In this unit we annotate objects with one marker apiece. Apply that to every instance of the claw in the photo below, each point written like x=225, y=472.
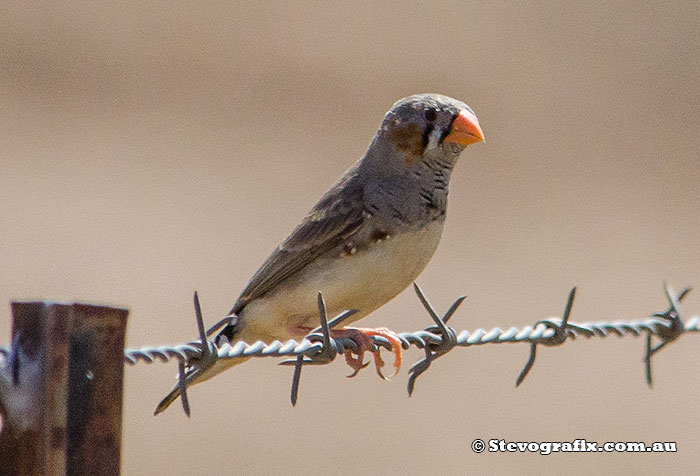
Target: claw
x=354, y=363
x=361, y=336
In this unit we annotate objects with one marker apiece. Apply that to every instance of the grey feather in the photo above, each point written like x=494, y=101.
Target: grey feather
x=337, y=216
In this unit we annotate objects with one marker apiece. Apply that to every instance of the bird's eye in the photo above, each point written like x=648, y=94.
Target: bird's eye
x=430, y=115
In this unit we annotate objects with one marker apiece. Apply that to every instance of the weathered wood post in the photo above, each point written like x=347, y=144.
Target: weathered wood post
x=61, y=390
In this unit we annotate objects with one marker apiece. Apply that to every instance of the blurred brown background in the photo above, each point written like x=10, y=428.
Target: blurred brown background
x=150, y=150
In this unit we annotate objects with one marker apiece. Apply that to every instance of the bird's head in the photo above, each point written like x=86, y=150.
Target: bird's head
x=427, y=125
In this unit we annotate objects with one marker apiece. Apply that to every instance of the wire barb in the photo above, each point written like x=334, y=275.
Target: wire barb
x=448, y=337
x=557, y=338
x=319, y=347
x=207, y=357
x=182, y=385
x=327, y=354
x=668, y=333
x=329, y=349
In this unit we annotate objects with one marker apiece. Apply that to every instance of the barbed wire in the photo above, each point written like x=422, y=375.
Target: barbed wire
x=320, y=348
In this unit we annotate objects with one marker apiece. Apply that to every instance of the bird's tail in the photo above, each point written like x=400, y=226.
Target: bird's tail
x=169, y=399
x=193, y=377
x=196, y=375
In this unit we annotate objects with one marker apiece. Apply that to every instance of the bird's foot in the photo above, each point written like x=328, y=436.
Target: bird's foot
x=362, y=337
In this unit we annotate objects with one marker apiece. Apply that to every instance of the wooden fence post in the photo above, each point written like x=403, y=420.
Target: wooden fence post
x=61, y=390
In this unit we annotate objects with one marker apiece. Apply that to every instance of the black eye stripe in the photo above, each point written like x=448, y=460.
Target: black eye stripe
x=426, y=134
x=430, y=115
x=447, y=130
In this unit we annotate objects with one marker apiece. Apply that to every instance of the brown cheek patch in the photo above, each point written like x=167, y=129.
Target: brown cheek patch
x=408, y=140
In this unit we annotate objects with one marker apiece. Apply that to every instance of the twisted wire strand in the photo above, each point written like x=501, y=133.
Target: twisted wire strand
x=312, y=345
x=437, y=340
x=465, y=338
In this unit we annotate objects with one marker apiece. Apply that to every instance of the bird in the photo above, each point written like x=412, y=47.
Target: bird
x=366, y=240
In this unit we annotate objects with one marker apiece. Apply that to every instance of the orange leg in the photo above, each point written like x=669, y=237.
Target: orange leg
x=362, y=336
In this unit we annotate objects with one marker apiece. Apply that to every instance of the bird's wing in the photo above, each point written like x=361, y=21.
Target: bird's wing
x=338, y=215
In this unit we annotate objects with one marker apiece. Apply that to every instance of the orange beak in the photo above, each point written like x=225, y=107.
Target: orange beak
x=465, y=129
